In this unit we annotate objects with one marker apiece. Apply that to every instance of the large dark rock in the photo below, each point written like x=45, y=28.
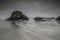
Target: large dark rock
x=58, y=19
x=17, y=15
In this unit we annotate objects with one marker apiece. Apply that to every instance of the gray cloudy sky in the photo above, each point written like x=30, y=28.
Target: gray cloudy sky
x=30, y=7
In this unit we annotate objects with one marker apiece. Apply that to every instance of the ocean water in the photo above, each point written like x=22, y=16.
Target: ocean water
x=29, y=30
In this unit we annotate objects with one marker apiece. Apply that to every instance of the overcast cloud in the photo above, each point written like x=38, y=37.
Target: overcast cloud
x=30, y=7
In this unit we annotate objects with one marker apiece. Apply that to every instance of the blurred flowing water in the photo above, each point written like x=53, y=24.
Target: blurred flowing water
x=29, y=30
